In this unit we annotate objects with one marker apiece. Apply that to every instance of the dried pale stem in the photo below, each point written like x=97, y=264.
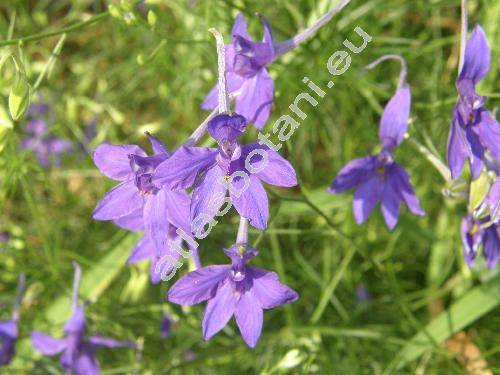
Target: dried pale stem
x=402, y=74
x=242, y=237
x=76, y=284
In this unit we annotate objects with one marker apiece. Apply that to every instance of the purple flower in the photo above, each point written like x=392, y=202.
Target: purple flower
x=137, y=203
x=247, y=76
x=8, y=337
x=239, y=170
x=237, y=289
x=165, y=326
x=9, y=328
x=77, y=352
x=378, y=178
x=480, y=232
x=493, y=200
x=46, y=148
x=473, y=130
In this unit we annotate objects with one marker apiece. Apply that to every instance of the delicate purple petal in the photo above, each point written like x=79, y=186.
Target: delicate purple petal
x=165, y=261
x=86, y=363
x=366, y=196
x=133, y=222
x=197, y=286
x=493, y=200
x=36, y=127
x=268, y=32
x=181, y=169
x=400, y=182
x=76, y=323
x=109, y=343
x=277, y=171
x=113, y=161
x=47, y=345
x=477, y=57
x=144, y=249
x=120, y=201
x=8, y=328
x=268, y=290
x=394, y=121
x=476, y=156
x=157, y=145
x=354, y=173
x=252, y=203
x=178, y=209
x=219, y=310
x=471, y=239
x=155, y=218
x=165, y=326
x=249, y=317
x=208, y=196
x=390, y=206
x=457, y=147
x=255, y=98
x=226, y=127
x=489, y=133
x=491, y=246
x=7, y=350
x=240, y=27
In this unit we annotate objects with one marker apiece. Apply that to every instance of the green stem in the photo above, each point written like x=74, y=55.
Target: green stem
x=435, y=161
x=68, y=29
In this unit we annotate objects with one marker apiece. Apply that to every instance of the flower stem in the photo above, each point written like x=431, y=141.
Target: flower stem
x=68, y=29
x=288, y=45
x=463, y=34
x=221, y=62
x=200, y=130
x=402, y=74
x=242, y=236
x=19, y=297
x=440, y=166
x=76, y=284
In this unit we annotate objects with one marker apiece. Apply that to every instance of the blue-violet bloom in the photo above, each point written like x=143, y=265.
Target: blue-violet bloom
x=480, y=232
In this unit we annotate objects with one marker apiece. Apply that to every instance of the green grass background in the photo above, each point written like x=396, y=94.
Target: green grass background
x=312, y=240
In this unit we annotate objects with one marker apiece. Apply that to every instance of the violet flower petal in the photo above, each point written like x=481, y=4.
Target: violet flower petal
x=234, y=83
x=157, y=145
x=366, y=196
x=491, y=246
x=155, y=218
x=47, y=345
x=249, y=317
x=476, y=156
x=252, y=204
x=132, y=222
x=394, y=121
x=400, y=182
x=181, y=169
x=106, y=342
x=219, y=310
x=477, y=57
x=208, y=196
x=488, y=130
x=457, y=147
x=120, y=201
x=268, y=290
x=113, y=161
x=390, y=206
x=197, y=286
x=255, y=98
x=352, y=174
x=144, y=249
x=86, y=363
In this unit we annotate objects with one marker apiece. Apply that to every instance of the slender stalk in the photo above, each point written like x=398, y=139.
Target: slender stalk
x=19, y=297
x=75, y=27
x=463, y=35
x=435, y=161
x=76, y=284
x=242, y=236
x=221, y=62
x=288, y=45
x=50, y=62
x=402, y=74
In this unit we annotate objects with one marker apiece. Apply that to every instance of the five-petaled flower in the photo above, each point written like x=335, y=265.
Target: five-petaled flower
x=231, y=168
x=378, y=178
x=237, y=289
x=473, y=130
x=247, y=76
x=138, y=203
x=77, y=352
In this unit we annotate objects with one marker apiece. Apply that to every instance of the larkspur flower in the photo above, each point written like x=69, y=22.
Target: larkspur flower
x=226, y=168
x=473, y=130
x=9, y=328
x=246, y=62
x=46, y=148
x=378, y=178
x=492, y=200
x=137, y=202
x=77, y=352
x=480, y=232
x=248, y=79
x=237, y=289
